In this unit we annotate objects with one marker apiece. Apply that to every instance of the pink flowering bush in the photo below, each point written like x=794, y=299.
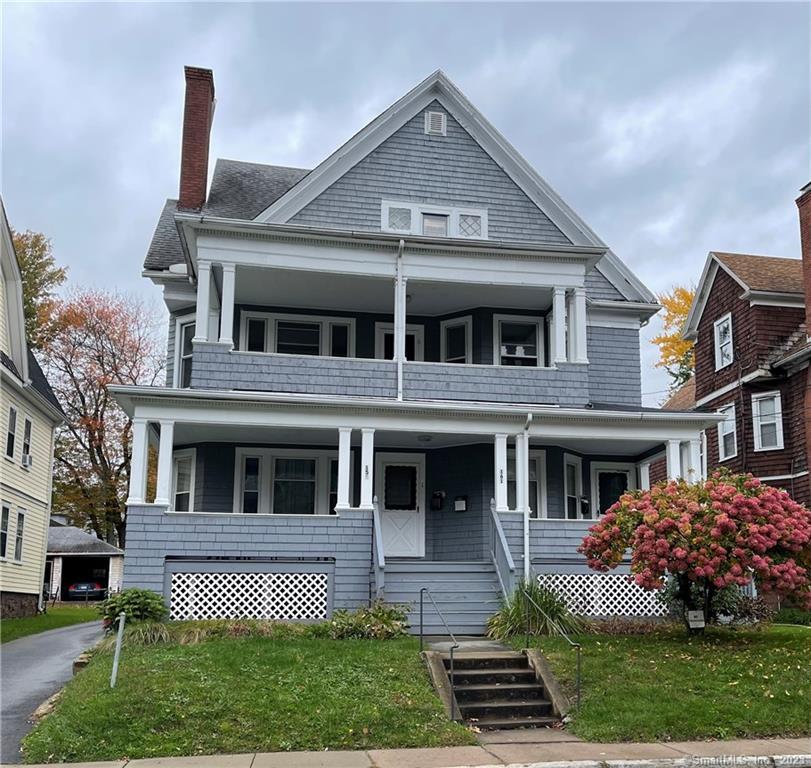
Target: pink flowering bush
x=723, y=531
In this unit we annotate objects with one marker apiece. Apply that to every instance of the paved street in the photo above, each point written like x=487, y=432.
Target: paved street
x=31, y=669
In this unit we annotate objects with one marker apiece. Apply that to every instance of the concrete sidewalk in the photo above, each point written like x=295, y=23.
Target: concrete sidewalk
x=557, y=750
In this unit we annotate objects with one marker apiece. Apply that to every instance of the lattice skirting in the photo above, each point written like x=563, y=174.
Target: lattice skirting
x=603, y=594
x=279, y=596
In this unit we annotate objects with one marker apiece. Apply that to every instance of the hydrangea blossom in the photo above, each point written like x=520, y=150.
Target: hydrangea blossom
x=725, y=530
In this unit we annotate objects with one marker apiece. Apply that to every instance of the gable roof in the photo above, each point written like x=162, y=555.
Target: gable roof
x=69, y=540
x=16, y=360
x=755, y=274
x=684, y=398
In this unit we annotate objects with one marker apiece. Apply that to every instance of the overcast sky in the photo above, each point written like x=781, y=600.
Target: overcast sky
x=672, y=129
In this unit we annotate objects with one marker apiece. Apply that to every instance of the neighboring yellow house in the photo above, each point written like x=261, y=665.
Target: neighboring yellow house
x=29, y=412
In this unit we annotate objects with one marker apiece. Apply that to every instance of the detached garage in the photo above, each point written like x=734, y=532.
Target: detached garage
x=75, y=556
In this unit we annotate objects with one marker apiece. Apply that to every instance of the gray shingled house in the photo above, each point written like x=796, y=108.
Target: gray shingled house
x=413, y=365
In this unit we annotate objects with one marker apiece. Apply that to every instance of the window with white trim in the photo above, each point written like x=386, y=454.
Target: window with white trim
x=5, y=519
x=572, y=486
x=767, y=421
x=184, y=333
x=402, y=217
x=727, y=433
x=183, y=472
x=297, y=334
x=518, y=340
x=724, y=353
x=27, y=426
x=11, y=433
x=537, y=482
x=18, y=535
x=456, y=340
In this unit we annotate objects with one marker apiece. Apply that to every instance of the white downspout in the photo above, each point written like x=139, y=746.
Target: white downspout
x=399, y=330
x=525, y=438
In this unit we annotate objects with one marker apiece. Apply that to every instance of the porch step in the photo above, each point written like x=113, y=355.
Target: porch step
x=499, y=690
x=466, y=592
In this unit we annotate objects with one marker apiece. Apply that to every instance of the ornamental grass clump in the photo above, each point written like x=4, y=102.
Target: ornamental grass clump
x=724, y=531
x=540, y=615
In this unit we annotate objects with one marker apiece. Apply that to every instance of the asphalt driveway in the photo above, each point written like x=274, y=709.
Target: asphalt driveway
x=31, y=669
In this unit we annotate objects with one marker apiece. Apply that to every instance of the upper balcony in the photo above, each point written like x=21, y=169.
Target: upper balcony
x=390, y=321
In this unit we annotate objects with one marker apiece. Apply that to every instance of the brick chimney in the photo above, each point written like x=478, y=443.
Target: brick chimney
x=804, y=204
x=198, y=115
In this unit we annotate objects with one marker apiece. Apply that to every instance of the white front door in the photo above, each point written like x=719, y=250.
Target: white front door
x=400, y=488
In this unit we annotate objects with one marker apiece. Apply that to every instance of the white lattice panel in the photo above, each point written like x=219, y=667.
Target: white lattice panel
x=279, y=596
x=603, y=594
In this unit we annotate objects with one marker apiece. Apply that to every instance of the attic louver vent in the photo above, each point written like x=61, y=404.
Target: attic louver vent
x=436, y=123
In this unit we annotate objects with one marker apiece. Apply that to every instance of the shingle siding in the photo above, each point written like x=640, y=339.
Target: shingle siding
x=449, y=170
x=614, y=370
x=598, y=287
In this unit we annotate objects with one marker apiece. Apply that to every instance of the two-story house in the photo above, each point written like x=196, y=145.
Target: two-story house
x=750, y=320
x=29, y=412
x=413, y=365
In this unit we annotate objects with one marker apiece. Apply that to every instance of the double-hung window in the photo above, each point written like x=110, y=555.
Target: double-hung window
x=18, y=536
x=727, y=433
x=11, y=433
x=294, y=486
x=767, y=417
x=5, y=519
x=518, y=340
x=536, y=483
x=572, y=485
x=27, y=426
x=183, y=472
x=724, y=353
x=184, y=333
x=298, y=335
x=455, y=341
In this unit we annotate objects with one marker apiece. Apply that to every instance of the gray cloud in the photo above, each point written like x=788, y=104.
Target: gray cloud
x=673, y=129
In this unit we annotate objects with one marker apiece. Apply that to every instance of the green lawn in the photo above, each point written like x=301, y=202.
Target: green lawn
x=243, y=695
x=58, y=616
x=726, y=684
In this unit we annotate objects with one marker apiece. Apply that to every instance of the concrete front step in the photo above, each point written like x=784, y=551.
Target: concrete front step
x=493, y=691
x=508, y=723
x=492, y=676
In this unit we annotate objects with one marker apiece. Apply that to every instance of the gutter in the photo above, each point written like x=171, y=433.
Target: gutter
x=398, y=317
x=527, y=564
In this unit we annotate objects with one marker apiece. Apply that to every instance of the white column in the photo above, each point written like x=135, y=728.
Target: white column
x=367, y=467
x=558, y=336
x=137, y=492
x=163, y=487
x=644, y=475
x=694, y=472
x=673, y=454
x=203, y=301
x=344, y=459
x=227, y=307
x=521, y=472
x=400, y=341
x=578, y=326
x=500, y=468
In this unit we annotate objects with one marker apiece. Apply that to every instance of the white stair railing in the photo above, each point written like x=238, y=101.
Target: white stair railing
x=500, y=553
x=378, y=555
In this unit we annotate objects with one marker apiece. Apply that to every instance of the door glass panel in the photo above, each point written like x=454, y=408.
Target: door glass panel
x=294, y=487
x=339, y=341
x=456, y=343
x=250, y=485
x=611, y=486
x=400, y=490
x=410, y=346
x=256, y=335
x=298, y=338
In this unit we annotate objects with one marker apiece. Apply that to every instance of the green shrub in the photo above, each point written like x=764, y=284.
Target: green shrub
x=793, y=616
x=138, y=605
x=380, y=622
x=517, y=612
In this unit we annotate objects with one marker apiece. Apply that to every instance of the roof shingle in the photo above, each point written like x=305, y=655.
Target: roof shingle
x=765, y=273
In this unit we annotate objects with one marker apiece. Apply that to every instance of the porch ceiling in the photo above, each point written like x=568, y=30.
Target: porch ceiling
x=308, y=290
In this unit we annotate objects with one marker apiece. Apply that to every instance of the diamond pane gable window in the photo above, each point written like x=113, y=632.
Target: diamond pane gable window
x=723, y=342
x=727, y=434
x=400, y=219
x=294, y=487
x=434, y=225
x=767, y=416
x=470, y=225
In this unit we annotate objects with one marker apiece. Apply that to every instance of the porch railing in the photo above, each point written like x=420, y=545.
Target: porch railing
x=378, y=555
x=500, y=553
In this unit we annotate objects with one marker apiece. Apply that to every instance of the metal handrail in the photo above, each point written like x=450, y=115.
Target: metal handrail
x=500, y=539
x=560, y=631
x=454, y=646
x=378, y=555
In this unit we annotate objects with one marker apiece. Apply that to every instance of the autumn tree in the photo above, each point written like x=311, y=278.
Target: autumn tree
x=97, y=339
x=675, y=352
x=40, y=276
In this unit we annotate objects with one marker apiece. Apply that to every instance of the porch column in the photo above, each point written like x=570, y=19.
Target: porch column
x=644, y=475
x=137, y=492
x=673, y=456
x=558, y=335
x=163, y=487
x=521, y=473
x=344, y=460
x=500, y=467
x=203, y=301
x=578, y=327
x=694, y=470
x=227, y=308
x=367, y=450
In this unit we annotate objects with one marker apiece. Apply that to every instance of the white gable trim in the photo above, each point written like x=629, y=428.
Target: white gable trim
x=12, y=283
x=705, y=283
x=438, y=87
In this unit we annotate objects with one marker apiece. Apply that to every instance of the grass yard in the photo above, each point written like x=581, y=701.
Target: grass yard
x=58, y=616
x=726, y=684
x=243, y=695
